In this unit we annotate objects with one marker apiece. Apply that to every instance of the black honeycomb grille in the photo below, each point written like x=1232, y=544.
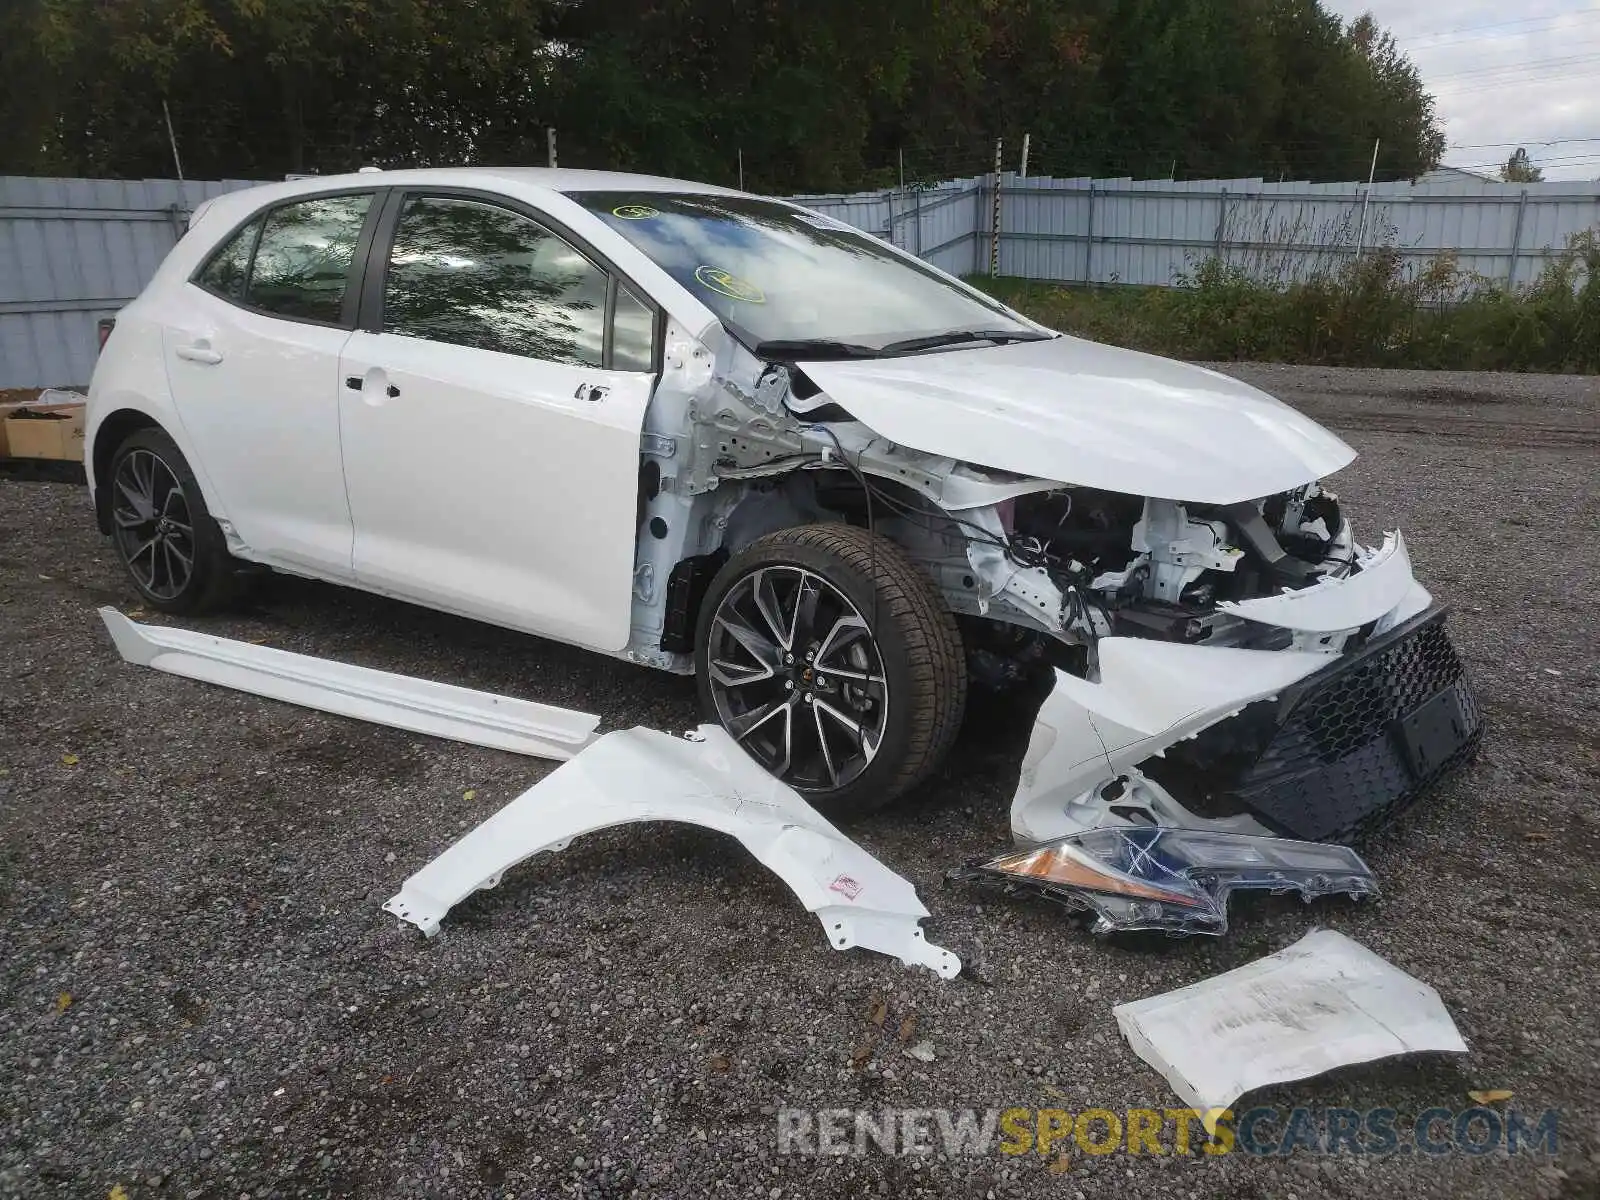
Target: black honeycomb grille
x=1361, y=704
x=1335, y=756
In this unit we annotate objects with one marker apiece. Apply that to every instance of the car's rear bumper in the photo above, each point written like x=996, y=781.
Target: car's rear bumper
x=1345, y=748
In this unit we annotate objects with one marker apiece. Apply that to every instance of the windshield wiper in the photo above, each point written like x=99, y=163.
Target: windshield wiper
x=958, y=336
x=813, y=348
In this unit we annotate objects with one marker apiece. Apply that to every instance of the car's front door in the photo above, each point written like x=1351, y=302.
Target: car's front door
x=253, y=362
x=490, y=415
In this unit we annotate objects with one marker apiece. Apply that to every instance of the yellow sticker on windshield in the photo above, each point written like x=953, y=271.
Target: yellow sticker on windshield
x=730, y=285
x=634, y=212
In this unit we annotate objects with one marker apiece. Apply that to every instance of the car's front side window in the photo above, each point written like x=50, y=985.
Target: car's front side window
x=633, y=333
x=471, y=273
x=302, y=262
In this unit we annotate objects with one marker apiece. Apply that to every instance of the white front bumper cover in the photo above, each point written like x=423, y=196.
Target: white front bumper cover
x=1153, y=694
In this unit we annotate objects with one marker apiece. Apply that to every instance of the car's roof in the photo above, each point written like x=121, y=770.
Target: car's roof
x=534, y=184
x=553, y=179
x=561, y=180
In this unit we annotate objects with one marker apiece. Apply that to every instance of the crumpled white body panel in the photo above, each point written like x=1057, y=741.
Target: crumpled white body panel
x=645, y=775
x=1084, y=413
x=419, y=705
x=1322, y=1003
x=1150, y=695
x=1384, y=583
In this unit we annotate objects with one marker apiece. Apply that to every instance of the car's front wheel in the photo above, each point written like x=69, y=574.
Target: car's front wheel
x=834, y=661
x=171, y=548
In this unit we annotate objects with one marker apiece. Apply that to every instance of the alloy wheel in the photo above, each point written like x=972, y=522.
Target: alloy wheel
x=797, y=677
x=152, y=525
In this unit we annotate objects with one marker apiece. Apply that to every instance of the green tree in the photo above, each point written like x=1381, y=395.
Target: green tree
x=1519, y=168
x=826, y=95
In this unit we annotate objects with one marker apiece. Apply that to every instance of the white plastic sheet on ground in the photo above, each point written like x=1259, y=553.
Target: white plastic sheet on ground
x=1322, y=1003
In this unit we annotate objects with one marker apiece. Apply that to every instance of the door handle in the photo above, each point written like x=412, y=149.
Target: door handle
x=593, y=394
x=199, y=354
x=354, y=383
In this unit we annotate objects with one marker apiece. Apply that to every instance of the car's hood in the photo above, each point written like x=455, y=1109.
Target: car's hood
x=1083, y=413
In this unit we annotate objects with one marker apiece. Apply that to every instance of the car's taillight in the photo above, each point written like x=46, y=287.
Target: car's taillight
x=103, y=329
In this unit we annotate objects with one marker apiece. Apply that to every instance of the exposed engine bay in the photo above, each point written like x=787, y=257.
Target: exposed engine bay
x=1044, y=575
x=1156, y=568
x=1036, y=569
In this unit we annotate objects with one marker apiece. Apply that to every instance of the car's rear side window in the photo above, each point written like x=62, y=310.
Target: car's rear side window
x=475, y=274
x=302, y=263
x=225, y=272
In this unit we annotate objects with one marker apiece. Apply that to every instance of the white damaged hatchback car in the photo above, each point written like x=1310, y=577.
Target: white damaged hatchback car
x=720, y=434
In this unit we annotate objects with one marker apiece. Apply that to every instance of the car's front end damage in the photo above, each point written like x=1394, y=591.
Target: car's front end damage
x=1228, y=656
x=1314, y=712
x=1248, y=660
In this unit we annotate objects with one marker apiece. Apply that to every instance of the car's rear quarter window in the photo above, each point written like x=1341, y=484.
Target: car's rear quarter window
x=224, y=273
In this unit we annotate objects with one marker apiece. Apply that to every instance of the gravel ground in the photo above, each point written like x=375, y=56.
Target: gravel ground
x=201, y=997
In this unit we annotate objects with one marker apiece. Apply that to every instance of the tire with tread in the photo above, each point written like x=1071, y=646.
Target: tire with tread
x=214, y=581
x=917, y=638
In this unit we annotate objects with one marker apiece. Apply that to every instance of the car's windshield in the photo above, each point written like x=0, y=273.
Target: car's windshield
x=790, y=281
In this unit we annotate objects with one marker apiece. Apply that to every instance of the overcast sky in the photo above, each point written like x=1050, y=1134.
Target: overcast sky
x=1524, y=73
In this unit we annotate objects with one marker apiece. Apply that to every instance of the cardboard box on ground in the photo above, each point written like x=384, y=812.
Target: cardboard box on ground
x=49, y=426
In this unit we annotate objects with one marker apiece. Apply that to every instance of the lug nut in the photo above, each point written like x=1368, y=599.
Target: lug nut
x=788, y=685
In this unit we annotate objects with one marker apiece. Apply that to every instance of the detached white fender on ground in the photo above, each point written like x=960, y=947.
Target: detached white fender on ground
x=703, y=779
x=418, y=705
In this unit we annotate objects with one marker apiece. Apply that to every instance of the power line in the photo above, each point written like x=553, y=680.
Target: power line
x=1595, y=137
x=1478, y=29
x=1456, y=86
x=1518, y=67
x=1554, y=164
x=1508, y=55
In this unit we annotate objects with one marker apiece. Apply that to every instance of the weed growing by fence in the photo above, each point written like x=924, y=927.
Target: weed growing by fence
x=1378, y=310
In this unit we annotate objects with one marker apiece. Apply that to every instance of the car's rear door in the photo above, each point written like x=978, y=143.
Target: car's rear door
x=253, y=361
x=491, y=411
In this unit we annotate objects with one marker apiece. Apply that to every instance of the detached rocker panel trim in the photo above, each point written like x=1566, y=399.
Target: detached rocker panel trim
x=382, y=697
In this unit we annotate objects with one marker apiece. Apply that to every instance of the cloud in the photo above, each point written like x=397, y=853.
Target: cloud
x=1504, y=76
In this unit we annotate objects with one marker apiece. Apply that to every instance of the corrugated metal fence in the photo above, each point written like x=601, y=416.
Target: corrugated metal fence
x=1148, y=232
x=75, y=250
x=72, y=250
x=1107, y=231
x=940, y=224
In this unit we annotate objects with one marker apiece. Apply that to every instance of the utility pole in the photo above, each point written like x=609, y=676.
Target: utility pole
x=902, y=170
x=741, y=168
x=994, y=229
x=1023, y=173
x=1372, y=172
x=173, y=139
x=550, y=143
